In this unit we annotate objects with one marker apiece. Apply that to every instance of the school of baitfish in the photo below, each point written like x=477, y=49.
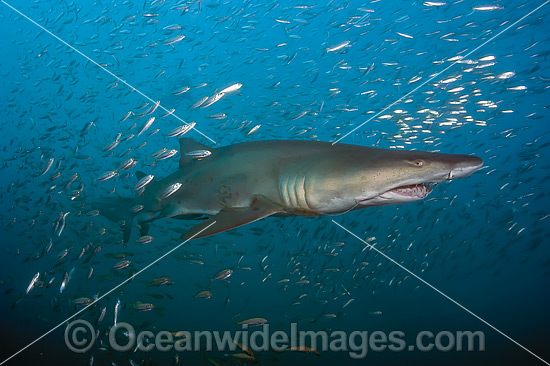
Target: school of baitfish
x=255, y=71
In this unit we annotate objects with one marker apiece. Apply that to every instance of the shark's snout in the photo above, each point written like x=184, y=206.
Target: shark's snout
x=465, y=166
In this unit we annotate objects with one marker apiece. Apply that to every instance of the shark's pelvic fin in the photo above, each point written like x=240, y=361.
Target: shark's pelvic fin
x=232, y=217
x=188, y=145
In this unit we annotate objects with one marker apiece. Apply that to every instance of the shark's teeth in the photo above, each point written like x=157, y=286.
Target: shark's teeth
x=413, y=190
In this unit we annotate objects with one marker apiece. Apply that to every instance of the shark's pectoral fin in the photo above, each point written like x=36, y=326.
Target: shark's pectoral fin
x=232, y=217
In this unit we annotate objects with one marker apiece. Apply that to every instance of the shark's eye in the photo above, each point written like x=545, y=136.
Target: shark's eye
x=418, y=163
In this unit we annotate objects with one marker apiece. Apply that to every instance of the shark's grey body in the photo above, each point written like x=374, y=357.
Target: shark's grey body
x=245, y=182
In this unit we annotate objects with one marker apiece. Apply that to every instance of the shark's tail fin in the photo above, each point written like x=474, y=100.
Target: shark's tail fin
x=117, y=209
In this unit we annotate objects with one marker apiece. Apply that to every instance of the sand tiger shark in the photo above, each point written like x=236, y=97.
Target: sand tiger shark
x=238, y=184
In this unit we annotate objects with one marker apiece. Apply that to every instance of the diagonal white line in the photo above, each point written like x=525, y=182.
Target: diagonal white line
x=441, y=72
x=102, y=296
x=104, y=69
x=439, y=292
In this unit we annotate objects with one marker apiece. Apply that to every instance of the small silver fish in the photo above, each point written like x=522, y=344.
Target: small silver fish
x=145, y=239
x=488, y=7
x=170, y=190
x=33, y=282
x=62, y=224
x=213, y=99
x=181, y=130
x=223, y=274
x=199, y=102
x=122, y=264
x=143, y=182
x=337, y=47
x=159, y=152
x=167, y=154
x=197, y=154
x=137, y=208
x=66, y=279
x=253, y=130
x=154, y=108
x=172, y=27
x=181, y=91
x=71, y=180
x=231, y=88
x=169, y=112
x=217, y=116
x=107, y=175
x=102, y=315
x=126, y=116
x=146, y=125
x=48, y=166
x=112, y=145
x=128, y=164
x=173, y=40
x=117, y=309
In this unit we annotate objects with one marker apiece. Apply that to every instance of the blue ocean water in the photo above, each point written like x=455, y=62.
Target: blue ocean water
x=309, y=71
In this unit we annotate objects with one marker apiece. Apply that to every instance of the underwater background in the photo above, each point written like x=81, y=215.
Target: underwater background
x=310, y=70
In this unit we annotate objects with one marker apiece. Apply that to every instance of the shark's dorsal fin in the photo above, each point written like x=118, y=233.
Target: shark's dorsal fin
x=232, y=217
x=140, y=175
x=187, y=145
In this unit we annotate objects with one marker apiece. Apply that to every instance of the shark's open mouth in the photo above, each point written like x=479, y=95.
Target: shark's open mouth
x=414, y=190
x=407, y=193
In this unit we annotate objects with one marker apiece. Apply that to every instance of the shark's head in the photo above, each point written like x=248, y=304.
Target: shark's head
x=374, y=177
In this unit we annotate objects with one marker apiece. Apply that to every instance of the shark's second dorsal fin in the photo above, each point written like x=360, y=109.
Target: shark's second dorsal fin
x=140, y=175
x=188, y=145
